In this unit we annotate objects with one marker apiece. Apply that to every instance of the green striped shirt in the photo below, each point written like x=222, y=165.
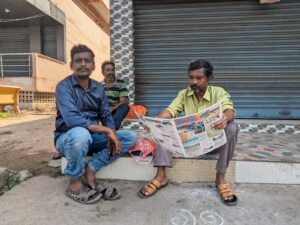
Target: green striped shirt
x=115, y=92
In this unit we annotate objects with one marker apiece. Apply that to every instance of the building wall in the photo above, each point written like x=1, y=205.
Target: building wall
x=121, y=36
x=80, y=29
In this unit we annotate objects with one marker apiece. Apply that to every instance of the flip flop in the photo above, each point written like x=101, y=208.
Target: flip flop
x=56, y=156
x=86, y=195
x=107, y=192
x=151, y=188
x=227, y=194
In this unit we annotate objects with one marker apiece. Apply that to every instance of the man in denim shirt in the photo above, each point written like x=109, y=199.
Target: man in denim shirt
x=84, y=125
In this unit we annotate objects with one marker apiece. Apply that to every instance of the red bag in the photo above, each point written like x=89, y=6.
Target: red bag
x=136, y=108
x=143, y=151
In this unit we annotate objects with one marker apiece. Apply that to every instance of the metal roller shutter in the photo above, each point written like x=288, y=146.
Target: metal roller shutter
x=255, y=50
x=49, y=45
x=14, y=40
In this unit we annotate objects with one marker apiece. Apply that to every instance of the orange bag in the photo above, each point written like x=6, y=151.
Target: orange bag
x=136, y=108
x=143, y=151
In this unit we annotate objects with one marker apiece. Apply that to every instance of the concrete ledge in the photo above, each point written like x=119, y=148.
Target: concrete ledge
x=199, y=170
x=267, y=172
x=183, y=170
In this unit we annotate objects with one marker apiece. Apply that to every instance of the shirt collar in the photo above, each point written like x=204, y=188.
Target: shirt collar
x=206, y=95
x=75, y=82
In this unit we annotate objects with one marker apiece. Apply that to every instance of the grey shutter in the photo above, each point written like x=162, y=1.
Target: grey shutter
x=14, y=40
x=49, y=45
x=255, y=50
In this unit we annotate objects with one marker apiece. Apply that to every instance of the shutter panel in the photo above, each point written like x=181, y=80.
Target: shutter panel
x=255, y=51
x=49, y=45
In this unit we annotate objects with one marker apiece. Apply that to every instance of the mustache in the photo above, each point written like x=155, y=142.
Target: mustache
x=195, y=88
x=82, y=68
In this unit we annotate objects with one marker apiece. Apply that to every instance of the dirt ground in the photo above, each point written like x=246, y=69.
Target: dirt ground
x=26, y=141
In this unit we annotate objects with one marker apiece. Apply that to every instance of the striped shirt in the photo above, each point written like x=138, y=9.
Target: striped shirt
x=115, y=92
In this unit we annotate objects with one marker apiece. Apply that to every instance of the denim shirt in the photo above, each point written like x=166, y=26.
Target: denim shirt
x=78, y=107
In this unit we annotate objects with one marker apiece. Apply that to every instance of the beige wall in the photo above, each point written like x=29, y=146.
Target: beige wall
x=48, y=72
x=80, y=29
x=27, y=83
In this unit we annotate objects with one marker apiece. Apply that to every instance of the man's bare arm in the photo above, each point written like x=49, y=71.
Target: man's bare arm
x=164, y=115
x=123, y=100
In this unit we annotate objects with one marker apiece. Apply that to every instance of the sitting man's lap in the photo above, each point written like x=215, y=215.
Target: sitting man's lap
x=77, y=143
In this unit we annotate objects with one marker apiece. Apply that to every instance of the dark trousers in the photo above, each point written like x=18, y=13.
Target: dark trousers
x=119, y=114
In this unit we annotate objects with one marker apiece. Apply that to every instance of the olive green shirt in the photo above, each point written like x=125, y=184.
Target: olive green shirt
x=187, y=101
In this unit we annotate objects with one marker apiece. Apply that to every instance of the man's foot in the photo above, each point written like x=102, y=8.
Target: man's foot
x=81, y=193
x=108, y=193
x=85, y=195
x=227, y=194
x=152, y=187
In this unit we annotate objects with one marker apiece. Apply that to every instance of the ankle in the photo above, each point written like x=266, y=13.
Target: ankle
x=220, y=178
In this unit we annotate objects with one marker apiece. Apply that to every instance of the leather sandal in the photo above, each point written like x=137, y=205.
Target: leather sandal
x=227, y=194
x=85, y=196
x=151, y=188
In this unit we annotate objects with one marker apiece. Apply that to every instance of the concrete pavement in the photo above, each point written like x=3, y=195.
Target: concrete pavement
x=41, y=201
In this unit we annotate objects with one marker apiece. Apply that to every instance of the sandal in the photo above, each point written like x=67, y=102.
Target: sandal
x=227, y=194
x=56, y=156
x=108, y=193
x=151, y=188
x=86, y=195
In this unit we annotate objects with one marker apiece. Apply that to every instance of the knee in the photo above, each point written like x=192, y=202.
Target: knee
x=129, y=137
x=231, y=130
x=132, y=137
x=79, y=139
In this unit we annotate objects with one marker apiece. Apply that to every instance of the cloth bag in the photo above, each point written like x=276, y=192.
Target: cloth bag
x=144, y=150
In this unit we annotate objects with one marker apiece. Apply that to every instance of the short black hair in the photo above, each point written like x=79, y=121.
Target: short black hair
x=107, y=63
x=79, y=49
x=199, y=64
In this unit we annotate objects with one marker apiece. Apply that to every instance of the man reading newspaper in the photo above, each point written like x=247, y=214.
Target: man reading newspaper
x=199, y=96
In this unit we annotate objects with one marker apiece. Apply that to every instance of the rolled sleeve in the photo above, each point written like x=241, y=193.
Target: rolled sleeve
x=224, y=99
x=177, y=105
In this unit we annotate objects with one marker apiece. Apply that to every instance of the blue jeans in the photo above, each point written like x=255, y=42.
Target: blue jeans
x=119, y=114
x=76, y=143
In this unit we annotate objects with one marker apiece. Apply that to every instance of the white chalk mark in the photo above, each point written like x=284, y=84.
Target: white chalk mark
x=182, y=219
x=276, y=214
x=243, y=209
x=208, y=217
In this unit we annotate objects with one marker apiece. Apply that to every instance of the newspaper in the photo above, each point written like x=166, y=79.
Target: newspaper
x=188, y=136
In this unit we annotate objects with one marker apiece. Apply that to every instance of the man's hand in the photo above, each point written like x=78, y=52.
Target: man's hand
x=114, y=144
x=220, y=124
x=113, y=108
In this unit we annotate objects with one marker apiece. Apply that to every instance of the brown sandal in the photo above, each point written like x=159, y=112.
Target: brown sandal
x=227, y=194
x=151, y=188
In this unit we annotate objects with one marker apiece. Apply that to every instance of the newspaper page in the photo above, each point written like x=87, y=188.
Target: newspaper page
x=188, y=136
x=163, y=133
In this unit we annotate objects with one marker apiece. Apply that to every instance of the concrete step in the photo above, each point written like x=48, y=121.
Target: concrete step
x=200, y=170
x=268, y=151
